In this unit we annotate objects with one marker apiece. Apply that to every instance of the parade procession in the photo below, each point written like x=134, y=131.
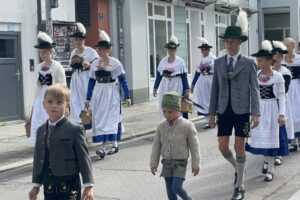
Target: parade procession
x=151, y=100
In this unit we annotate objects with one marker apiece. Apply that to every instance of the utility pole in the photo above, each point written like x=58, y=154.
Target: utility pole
x=49, y=28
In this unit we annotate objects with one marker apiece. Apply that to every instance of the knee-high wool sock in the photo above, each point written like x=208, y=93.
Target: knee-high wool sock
x=230, y=158
x=240, y=170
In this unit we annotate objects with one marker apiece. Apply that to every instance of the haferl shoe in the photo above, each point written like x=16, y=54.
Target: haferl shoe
x=100, y=153
x=238, y=193
x=264, y=169
x=269, y=177
x=113, y=150
x=293, y=147
x=235, y=178
x=206, y=126
x=278, y=160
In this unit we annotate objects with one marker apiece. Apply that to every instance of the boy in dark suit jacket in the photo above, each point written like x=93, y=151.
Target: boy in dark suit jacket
x=61, y=153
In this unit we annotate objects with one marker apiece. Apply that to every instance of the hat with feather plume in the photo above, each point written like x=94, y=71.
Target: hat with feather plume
x=104, y=40
x=44, y=41
x=265, y=51
x=173, y=43
x=239, y=30
x=204, y=43
x=80, y=32
x=279, y=47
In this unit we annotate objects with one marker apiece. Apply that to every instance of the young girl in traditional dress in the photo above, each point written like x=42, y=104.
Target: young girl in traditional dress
x=171, y=75
x=294, y=90
x=49, y=72
x=201, y=85
x=269, y=138
x=103, y=92
x=279, y=50
x=81, y=59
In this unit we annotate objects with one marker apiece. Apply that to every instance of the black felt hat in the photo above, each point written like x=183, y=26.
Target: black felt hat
x=80, y=32
x=44, y=41
x=234, y=32
x=104, y=41
x=173, y=43
x=279, y=47
x=266, y=50
x=205, y=46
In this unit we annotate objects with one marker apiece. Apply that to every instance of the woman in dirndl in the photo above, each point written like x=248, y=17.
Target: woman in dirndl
x=171, y=75
x=49, y=72
x=269, y=138
x=104, y=97
x=81, y=58
x=202, y=81
x=279, y=50
x=294, y=90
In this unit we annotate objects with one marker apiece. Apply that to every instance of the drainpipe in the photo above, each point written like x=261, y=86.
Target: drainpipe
x=39, y=14
x=261, y=27
x=120, y=30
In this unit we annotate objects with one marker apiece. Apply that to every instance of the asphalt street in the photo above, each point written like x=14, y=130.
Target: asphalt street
x=126, y=175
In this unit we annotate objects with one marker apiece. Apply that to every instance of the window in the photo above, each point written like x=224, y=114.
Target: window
x=7, y=48
x=194, y=28
x=222, y=21
x=83, y=12
x=277, y=33
x=159, y=31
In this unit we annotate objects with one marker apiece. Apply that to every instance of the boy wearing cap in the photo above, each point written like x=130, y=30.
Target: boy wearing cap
x=176, y=137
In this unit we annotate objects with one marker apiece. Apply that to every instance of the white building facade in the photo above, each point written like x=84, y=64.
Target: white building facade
x=146, y=26
x=18, y=57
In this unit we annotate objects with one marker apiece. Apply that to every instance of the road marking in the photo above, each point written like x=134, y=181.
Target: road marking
x=296, y=196
x=16, y=164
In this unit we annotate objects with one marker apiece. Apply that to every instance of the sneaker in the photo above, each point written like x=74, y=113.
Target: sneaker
x=264, y=169
x=100, y=153
x=238, y=194
x=278, y=160
x=269, y=177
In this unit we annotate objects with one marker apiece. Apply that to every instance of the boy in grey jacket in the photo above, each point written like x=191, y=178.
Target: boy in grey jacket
x=60, y=152
x=175, y=139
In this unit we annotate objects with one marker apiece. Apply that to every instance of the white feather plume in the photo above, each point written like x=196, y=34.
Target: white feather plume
x=104, y=36
x=202, y=40
x=279, y=45
x=173, y=39
x=266, y=45
x=242, y=21
x=44, y=37
x=81, y=28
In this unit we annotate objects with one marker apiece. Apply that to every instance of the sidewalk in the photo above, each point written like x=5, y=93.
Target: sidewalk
x=15, y=150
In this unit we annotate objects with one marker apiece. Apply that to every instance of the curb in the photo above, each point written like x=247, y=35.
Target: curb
x=28, y=161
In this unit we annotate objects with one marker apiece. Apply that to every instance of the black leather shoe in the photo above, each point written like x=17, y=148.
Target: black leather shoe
x=269, y=177
x=100, y=153
x=293, y=147
x=264, y=169
x=113, y=150
x=235, y=178
x=238, y=193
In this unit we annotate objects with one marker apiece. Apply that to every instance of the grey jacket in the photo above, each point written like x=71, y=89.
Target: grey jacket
x=68, y=152
x=244, y=87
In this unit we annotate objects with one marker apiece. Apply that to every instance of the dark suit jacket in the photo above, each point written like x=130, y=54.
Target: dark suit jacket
x=68, y=152
x=244, y=87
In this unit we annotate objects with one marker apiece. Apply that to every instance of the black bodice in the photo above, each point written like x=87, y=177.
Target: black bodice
x=45, y=79
x=295, y=71
x=266, y=92
x=103, y=76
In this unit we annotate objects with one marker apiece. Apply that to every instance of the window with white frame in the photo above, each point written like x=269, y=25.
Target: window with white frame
x=195, y=28
x=222, y=20
x=159, y=31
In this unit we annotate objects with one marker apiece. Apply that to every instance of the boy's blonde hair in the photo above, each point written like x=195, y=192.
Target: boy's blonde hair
x=58, y=90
